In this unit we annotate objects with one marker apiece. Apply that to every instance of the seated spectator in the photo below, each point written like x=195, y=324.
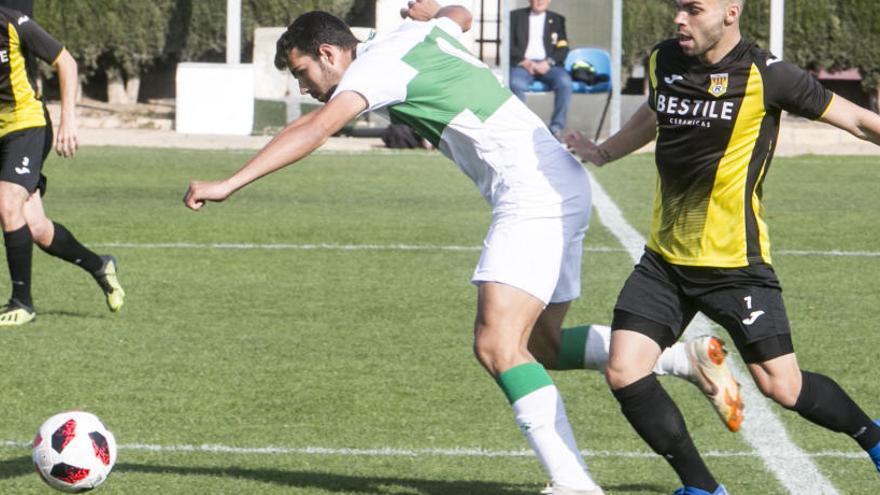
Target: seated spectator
x=538, y=46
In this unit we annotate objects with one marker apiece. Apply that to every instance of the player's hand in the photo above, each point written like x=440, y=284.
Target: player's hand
x=199, y=192
x=67, y=142
x=585, y=149
x=420, y=10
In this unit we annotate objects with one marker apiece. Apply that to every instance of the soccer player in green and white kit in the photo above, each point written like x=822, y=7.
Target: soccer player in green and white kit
x=529, y=270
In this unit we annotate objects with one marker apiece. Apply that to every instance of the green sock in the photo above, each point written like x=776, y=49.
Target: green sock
x=519, y=381
x=572, y=347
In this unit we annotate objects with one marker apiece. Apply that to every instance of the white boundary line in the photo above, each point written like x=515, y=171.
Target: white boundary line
x=398, y=452
x=762, y=429
x=415, y=247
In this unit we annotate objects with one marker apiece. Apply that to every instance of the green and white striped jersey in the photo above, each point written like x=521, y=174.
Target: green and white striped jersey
x=423, y=76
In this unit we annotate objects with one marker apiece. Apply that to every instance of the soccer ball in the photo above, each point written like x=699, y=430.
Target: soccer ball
x=74, y=452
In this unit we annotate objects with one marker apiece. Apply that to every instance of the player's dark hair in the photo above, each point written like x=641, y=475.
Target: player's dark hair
x=311, y=30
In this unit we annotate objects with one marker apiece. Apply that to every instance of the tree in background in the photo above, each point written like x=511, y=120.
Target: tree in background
x=116, y=37
x=121, y=39
x=819, y=34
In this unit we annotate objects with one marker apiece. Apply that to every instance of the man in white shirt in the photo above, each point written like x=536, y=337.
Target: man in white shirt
x=538, y=46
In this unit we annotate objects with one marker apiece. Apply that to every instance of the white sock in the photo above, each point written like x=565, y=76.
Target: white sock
x=673, y=361
x=541, y=417
x=596, y=352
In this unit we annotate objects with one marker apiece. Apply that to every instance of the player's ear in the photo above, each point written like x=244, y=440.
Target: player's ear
x=732, y=12
x=326, y=53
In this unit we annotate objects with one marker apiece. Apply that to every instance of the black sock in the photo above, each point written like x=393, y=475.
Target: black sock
x=659, y=422
x=65, y=246
x=823, y=402
x=19, y=253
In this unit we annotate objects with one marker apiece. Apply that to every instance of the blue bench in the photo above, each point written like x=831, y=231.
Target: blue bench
x=601, y=61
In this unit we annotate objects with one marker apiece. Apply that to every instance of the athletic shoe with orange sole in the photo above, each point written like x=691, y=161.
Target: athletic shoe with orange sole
x=708, y=358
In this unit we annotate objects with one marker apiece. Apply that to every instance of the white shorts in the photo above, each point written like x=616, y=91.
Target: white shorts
x=539, y=249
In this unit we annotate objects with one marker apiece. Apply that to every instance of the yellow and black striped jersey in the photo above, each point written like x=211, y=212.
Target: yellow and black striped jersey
x=21, y=39
x=716, y=132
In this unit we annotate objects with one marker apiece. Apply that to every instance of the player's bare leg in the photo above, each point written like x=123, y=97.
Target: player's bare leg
x=505, y=318
x=817, y=399
x=56, y=240
x=19, y=254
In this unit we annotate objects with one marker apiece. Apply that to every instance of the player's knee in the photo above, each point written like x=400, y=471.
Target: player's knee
x=41, y=231
x=618, y=374
x=493, y=351
x=785, y=392
x=11, y=209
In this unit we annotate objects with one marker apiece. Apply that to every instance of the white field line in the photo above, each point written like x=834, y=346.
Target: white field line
x=762, y=429
x=414, y=247
x=400, y=452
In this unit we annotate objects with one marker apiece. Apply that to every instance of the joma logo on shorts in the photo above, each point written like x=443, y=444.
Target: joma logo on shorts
x=23, y=169
x=753, y=317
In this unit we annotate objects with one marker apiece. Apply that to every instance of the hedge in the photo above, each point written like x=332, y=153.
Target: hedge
x=123, y=38
x=829, y=34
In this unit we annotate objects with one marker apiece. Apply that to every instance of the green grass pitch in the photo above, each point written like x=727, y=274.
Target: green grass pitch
x=235, y=335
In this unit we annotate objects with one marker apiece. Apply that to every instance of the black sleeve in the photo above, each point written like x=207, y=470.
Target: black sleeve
x=518, y=39
x=36, y=40
x=790, y=88
x=560, y=50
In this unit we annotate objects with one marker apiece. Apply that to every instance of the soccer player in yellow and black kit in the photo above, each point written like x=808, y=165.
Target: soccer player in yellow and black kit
x=25, y=142
x=714, y=107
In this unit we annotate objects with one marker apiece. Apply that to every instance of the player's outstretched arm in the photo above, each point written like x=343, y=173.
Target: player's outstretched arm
x=67, y=142
x=854, y=119
x=638, y=131
x=296, y=141
x=423, y=10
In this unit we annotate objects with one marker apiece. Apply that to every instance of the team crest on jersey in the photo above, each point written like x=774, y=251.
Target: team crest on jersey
x=718, y=84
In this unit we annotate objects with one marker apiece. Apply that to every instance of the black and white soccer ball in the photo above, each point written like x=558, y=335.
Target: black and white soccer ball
x=74, y=452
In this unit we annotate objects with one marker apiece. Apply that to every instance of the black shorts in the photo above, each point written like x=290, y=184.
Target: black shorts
x=660, y=299
x=22, y=154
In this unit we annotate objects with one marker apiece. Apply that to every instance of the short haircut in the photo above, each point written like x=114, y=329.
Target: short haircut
x=311, y=30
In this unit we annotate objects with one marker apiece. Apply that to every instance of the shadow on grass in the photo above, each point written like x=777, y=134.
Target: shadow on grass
x=368, y=484
x=21, y=466
x=92, y=315
x=17, y=466
x=341, y=483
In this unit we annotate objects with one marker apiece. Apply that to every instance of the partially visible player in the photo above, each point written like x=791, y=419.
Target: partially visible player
x=25, y=142
x=714, y=106
x=529, y=269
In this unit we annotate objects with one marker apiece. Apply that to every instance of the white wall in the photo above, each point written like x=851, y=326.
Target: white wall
x=269, y=82
x=388, y=18
x=214, y=98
